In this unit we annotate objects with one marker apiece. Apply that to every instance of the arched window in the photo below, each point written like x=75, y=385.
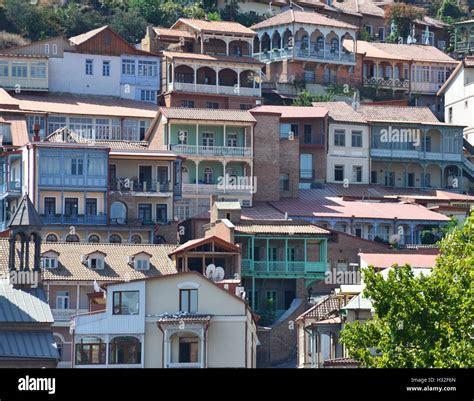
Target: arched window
x=208, y=175
x=319, y=44
x=51, y=238
x=304, y=42
x=185, y=175
x=125, y=350
x=72, y=238
x=94, y=238
x=90, y=351
x=136, y=239
x=335, y=45
x=115, y=239
x=158, y=239
x=118, y=213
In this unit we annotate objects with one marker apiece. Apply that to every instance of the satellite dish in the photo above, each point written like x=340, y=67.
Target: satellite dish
x=210, y=270
x=394, y=239
x=219, y=274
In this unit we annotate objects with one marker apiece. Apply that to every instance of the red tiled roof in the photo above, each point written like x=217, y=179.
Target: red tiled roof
x=293, y=111
x=211, y=58
x=226, y=27
x=184, y=113
x=160, y=31
x=201, y=241
x=301, y=17
x=385, y=260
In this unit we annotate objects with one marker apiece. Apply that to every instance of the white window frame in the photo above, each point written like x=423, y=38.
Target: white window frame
x=208, y=139
x=99, y=264
x=55, y=49
x=232, y=140
x=49, y=262
x=142, y=264
x=106, y=68
x=62, y=300
x=89, y=67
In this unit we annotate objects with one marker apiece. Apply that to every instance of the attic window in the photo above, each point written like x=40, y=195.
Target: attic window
x=142, y=264
x=50, y=263
x=140, y=261
x=96, y=263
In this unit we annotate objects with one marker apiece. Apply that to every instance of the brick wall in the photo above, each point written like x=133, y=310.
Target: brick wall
x=290, y=164
x=175, y=99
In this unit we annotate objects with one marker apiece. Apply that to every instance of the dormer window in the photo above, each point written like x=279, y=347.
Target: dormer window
x=94, y=260
x=140, y=261
x=96, y=263
x=50, y=263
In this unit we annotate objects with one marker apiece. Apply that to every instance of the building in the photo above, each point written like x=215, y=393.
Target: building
x=98, y=62
x=464, y=37
x=24, y=73
x=207, y=64
x=348, y=145
x=306, y=46
x=219, y=149
x=409, y=71
x=176, y=321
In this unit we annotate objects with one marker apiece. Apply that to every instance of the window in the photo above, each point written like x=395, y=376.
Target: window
x=55, y=123
x=147, y=68
x=188, y=349
x=115, y=239
x=72, y=238
x=426, y=144
x=208, y=175
x=71, y=206
x=373, y=177
x=335, y=45
x=207, y=139
x=135, y=239
x=81, y=126
x=142, y=264
x=272, y=299
x=49, y=206
x=308, y=135
x=450, y=115
x=189, y=104
x=148, y=95
x=106, y=68
x=125, y=350
x=50, y=263
x=188, y=300
x=94, y=239
x=144, y=212
x=125, y=303
x=284, y=182
x=32, y=120
x=90, y=351
x=356, y=139
x=3, y=68
x=46, y=48
x=182, y=137
x=291, y=254
x=294, y=128
x=89, y=67
x=51, y=238
x=143, y=128
x=38, y=70
x=212, y=105
x=96, y=166
x=55, y=49
x=232, y=140
x=91, y=207
x=252, y=298
x=338, y=173
x=162, y=213
x=369, y=30
x=62, y=300
x=19, y=70
x=77, y=166
x=128, y=67
x=381, y=34
x=357, y=173
x=306, y=166
x=339, y=138
x=96, y=263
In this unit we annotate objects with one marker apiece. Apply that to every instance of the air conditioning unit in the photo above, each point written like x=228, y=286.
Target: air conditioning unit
x=84, y=259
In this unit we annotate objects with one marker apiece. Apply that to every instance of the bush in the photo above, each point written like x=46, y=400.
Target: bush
x=8, y=40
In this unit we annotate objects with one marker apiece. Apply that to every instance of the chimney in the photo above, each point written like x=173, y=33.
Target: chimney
x=36, y=130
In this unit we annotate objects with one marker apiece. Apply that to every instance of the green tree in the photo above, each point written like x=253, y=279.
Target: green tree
x=306, y=99
x=423, y=321
x=449, y=11
x=403, y=15
x=11, y=40
x=75, y=19
x=130, y=24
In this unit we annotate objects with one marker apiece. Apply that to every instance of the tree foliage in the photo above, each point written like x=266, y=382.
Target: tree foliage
x=403, y=15
x=11, y=40
x=307, y=99
x=420, y=321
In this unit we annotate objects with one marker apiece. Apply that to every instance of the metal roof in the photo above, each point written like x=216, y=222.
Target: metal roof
x=29, y=344
x=23, y=306
x=25, y=215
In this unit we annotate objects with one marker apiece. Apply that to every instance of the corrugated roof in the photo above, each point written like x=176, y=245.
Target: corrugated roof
x=341, y=111
x=18, y=135
x=28, y=344
x=184, y=113
x=116, y=267
x=302, y=17
x=385, y=260
x=395, y=51
x=225, y=27
x=280, y=227
x=25, y=215
x=293, y=111
x=86, y=105
x=209, y=58
x=22, y=306
x=398, y=113
x=160, y=31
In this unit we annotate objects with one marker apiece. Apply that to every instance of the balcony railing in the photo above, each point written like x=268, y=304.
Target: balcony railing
x=282, y=267
x=214, y=89
x=218, y=188
x=415, y=154
x=218, y=151
x=388, y=83
x=137, y=222
x=74, y=219
x=125, y=185
x=64, y=315
x=10, y=186
x=184, y=365
x=308, y=54
x=464, y=45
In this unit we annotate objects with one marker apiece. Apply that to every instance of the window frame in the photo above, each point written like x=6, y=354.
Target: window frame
x=188, y=308
x=120, y=304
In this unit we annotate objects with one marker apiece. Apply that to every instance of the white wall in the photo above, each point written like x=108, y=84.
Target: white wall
x=68, y=74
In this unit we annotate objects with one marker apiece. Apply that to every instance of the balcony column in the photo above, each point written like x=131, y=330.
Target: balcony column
x=268, y=256
x=238, y=81
x=442, y=176
x=405, y=173
x=224, y=143
x=217, y=79
x=393, y=77
x=27, y=252
x=195, y=77
x=196, y=162
x=224, y=166
x=78, y=293
x=166, y=349
x=202, y=335
x=227, y=46
x=412, y=233
x=286, y=255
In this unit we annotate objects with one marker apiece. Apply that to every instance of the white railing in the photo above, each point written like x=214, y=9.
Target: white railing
x=387, y=83
x=214, y=89
x=220, y=151
x=64, y=315
x=184, y=365
x=210, y=189
x=415, y=154
x=309, y=54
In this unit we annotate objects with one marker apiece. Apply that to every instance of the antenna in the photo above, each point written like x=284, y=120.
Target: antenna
x=219, y=274
x=297, y=5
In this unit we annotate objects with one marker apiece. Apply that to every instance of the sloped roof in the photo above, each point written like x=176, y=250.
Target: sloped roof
x=301, y=17
x=385, y=260
x=341, y=112
x=366, y=7
x=403, y=52
x=21, y=306
x=28, y=345
x=407, y=114
x=18, y=135
x=280, y=227
x=160, y=31
x=206, y=240
x=212, y=58
x=293, y=111
x=116, y=266
x=184, y=113
x=225, y=27
x=25, y=215
x=84, y=37
x=468, y=62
